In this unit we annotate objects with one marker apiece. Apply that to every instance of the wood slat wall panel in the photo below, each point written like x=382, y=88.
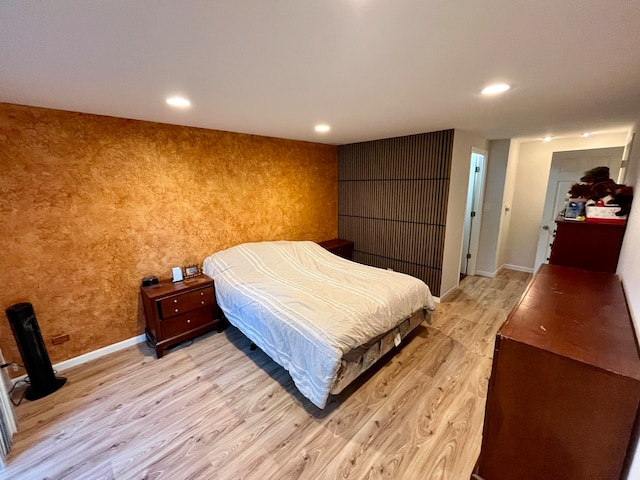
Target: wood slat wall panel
x=392, y=202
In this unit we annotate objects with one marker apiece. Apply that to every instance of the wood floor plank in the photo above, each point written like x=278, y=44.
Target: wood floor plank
x=217, y=410
x=426, y=395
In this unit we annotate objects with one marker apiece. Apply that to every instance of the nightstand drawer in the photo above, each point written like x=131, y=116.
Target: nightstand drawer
x=179, y=324
x=182, y=303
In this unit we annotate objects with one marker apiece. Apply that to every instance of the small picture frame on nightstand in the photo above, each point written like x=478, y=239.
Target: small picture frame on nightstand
x=191, y=271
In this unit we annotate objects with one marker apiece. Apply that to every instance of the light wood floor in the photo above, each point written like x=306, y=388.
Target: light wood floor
x=216, y=410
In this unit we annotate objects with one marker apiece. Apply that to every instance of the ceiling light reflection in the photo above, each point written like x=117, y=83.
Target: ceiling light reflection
x=178, y=102
x=494, y=89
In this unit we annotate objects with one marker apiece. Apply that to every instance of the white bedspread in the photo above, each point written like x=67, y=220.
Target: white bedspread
x=305, y=307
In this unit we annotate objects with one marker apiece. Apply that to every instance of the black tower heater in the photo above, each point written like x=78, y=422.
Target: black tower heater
x=34, y=354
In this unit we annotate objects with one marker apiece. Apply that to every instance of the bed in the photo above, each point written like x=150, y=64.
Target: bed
x=323, y=318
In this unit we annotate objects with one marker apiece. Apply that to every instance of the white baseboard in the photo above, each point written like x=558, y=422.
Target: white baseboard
x=101, y=352
x=507, y=266
x=443, y=296
x=87, y=357
x=518, y=268
x=486, y=274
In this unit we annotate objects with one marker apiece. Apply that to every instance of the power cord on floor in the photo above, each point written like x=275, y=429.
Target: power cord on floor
x=14, y=364
x=19, y=383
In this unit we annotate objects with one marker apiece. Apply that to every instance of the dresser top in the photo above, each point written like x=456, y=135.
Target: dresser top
x=167, y=287
x=579, y=314
x=591, y=225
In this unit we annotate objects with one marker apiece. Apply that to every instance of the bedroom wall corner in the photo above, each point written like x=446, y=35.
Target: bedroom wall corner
x=91, y=204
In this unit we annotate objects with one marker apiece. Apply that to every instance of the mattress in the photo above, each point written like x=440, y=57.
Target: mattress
x=308, y=309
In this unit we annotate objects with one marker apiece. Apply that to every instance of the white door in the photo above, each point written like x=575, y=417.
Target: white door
x=473, y=220
x=566, y=169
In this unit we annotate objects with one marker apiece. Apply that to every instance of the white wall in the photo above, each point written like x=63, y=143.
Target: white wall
x=463, y=142
x=629, y=263
x=531, y=177
x=507, y=203
x=492, y=211
x=501, y=175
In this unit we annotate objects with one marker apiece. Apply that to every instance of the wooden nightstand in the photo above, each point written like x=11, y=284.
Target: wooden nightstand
x=343, y=248
x=179, y=311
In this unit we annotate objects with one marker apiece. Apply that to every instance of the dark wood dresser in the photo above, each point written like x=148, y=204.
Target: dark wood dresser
x=179, y=311
x=594, y=246
x=564, y=390
x=343, y=248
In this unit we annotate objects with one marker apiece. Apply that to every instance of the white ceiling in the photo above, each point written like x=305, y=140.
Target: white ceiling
x=369, y=68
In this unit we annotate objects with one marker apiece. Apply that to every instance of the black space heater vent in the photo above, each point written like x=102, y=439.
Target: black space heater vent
x=34, y=354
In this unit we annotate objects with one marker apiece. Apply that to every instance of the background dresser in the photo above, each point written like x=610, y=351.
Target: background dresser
x=594, y=246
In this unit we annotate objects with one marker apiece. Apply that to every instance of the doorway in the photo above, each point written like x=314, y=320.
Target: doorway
x=566, y=169
x=473, y=213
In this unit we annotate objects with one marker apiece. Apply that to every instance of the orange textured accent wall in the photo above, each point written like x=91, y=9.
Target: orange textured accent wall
x=91, y=204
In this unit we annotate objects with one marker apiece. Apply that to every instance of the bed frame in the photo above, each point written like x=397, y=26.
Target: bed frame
x=356, y=362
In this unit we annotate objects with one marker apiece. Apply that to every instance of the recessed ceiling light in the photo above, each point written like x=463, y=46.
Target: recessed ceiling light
x=497, y=88
x=585, y=134
x=547, y=138
x=178, y=102
x=322, y=128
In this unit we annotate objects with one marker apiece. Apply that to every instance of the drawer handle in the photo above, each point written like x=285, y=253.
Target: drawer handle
x=202, y=302
x=176, y=310
x=188, y=320
x=175, y=300
x=201, y=293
